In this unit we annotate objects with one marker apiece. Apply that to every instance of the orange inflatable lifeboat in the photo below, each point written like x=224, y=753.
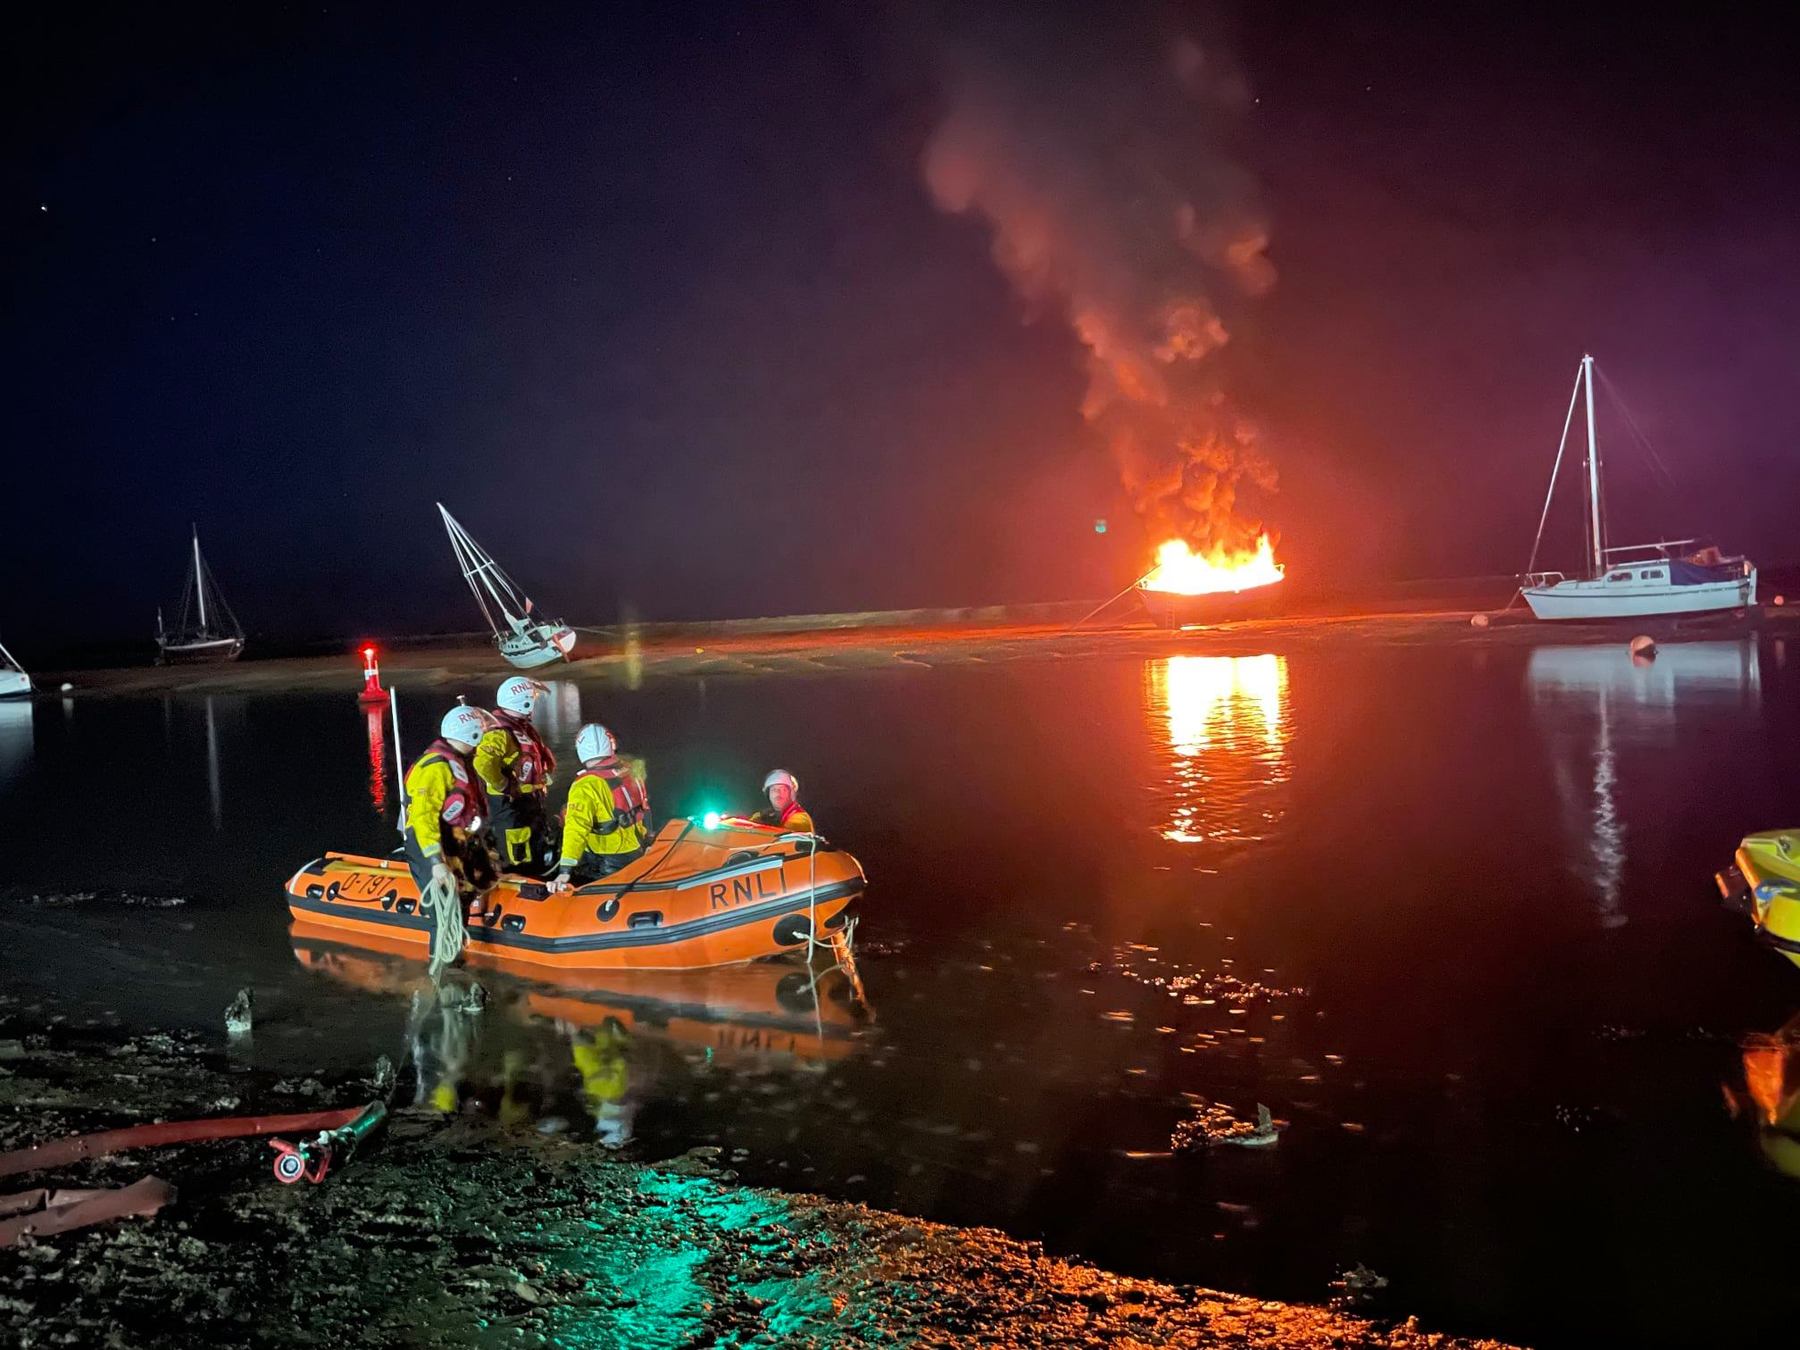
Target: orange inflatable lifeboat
x=698, y=897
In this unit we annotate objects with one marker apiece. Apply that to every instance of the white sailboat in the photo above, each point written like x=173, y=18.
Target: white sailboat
x=523, y=638
x=1669, y=577
x=206, y=630
x=14, y=682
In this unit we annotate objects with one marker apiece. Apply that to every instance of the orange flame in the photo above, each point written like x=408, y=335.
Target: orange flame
x=1180, y=569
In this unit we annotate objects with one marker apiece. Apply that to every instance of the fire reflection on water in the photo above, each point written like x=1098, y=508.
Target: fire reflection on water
x=1228, y=724
x=1770, y=1095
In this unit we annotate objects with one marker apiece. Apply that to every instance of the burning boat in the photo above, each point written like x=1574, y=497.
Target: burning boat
x=1188, y=587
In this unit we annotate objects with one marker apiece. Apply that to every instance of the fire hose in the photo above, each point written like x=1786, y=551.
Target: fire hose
x=311, y=1159
x=338, y=1134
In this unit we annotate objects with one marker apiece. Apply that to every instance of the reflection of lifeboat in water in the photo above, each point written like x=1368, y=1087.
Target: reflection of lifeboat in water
x=697, y=897
x=745, y=1012
x=1765, y=885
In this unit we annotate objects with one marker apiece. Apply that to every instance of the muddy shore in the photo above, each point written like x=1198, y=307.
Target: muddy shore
x=450, y=1230
x=909, y=640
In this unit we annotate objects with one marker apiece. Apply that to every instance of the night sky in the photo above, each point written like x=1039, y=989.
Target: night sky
x=657, y=299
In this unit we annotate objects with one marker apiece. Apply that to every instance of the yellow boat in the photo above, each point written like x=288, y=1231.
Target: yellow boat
x=1765, y=885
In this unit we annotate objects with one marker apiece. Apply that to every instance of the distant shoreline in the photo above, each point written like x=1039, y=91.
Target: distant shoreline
x=911, y=639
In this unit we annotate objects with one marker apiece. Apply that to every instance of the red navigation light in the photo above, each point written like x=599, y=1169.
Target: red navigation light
x=372, y=692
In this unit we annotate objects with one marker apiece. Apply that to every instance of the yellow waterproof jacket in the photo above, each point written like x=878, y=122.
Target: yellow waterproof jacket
x=440, y=798
x=497, y=757
x=590, y=824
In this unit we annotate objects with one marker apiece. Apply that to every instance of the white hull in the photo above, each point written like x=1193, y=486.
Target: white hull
x=532, y=642
x=209, y=649
x=14, y=684
x=536, y=647
x=1603, y=599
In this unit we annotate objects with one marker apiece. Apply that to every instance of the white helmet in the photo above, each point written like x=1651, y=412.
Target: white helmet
x=519, y=695
x=463, y=723
x=781, y=776
x=594, y=742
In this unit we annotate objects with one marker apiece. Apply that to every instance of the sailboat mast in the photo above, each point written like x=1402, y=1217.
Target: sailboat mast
x=200, y=580
x=1599, y=540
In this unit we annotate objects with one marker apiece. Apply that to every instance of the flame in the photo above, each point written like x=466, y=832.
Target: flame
x=1180, y=569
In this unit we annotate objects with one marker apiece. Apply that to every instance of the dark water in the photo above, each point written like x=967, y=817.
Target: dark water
x=1446, y=912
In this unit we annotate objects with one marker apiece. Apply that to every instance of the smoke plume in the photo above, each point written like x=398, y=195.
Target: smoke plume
x=1095, y=147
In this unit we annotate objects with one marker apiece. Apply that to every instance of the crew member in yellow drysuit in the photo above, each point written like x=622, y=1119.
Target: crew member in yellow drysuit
x=445, y=807
x=608, y=818
x=784, y=808
x=515, y=766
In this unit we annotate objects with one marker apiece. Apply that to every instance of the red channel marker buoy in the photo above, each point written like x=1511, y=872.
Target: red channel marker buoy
x=372, y=692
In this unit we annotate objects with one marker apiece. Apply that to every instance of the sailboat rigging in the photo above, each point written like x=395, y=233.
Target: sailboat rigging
x=206, y=629
x=523, y=638
x=1669, y=577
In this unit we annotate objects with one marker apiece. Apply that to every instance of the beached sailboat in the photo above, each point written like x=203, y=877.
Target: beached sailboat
x=523, y=638
x=14, y=682
x=206, y=629
x=1669, y=577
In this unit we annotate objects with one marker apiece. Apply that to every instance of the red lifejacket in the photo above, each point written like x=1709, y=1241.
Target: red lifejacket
x=535, y=763
x=769, y=818
x=465, y=801
x=631, y=802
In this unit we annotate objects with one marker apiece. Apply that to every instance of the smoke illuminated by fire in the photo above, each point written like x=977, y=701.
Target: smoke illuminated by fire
x=1096, y=153
x=1181, y=570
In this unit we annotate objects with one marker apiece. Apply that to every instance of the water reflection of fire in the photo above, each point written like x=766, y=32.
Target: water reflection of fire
x=1184, y=572
x=1228, y=727
x=1771, y=1095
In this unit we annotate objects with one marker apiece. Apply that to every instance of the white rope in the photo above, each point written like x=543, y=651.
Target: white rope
x=448, y=932
x=841, y=945
x=812, y=901
x=1120, y=596
x=1555, y=468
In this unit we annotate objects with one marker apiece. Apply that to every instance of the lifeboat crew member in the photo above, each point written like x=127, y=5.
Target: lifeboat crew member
x=784, y=810
x=515, y=765
x=608, y=818
x=444, y=810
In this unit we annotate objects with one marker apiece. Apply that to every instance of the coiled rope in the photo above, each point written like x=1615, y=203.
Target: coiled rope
x=448, y=932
